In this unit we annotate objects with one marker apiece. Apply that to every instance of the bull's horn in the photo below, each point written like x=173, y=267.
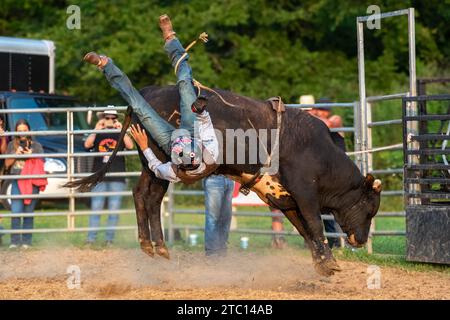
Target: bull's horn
x=377, y=185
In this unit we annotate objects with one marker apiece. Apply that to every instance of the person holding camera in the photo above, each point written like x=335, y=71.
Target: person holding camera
x=3, y=147
x=3, y=139
x=21, y=145
x=106, y=142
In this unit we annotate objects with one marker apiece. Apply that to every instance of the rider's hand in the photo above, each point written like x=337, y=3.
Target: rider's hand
x=117, y=125
x=100, y=125
x=140, y=136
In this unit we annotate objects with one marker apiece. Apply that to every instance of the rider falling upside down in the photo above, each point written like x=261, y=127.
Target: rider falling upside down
x=191, y=158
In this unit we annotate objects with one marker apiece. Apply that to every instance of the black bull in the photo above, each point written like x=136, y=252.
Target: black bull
x=314, y=174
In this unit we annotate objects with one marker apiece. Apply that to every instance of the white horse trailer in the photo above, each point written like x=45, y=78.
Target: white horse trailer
x=27, y=65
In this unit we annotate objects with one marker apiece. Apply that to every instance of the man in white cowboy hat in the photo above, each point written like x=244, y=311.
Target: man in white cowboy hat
x=111, y=110
x=106, y=142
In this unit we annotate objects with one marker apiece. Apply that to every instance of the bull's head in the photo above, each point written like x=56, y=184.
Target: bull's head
x=355, y=220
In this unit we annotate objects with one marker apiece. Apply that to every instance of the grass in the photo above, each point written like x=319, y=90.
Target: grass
x=124, y=238
x=397, y=261
x=389, y=250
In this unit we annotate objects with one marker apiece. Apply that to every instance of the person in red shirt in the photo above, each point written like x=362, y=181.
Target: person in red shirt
x=18, y=146
x=3, y=147
x=3, y=139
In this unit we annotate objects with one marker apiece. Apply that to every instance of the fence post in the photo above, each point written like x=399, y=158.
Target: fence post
x=411, y=107
x=369, y=169
x=357, y=133
x=170, y=223
x=369, y=137
x=70, y=170
x=164, y=214
x=362, y=93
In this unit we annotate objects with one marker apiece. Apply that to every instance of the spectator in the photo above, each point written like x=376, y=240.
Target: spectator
x=3, y=148
x=22, y=145
x=3, y=139
x=3, y=143
x=278, y=240
x=106, y=142
x=218, y=196
x=332, y=121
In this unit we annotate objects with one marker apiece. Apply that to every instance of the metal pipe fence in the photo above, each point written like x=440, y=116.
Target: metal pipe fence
x=68, y=175
x=359, y=151
x=169, y=212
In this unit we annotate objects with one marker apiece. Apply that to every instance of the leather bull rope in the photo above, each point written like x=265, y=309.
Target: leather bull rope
x=203, y=37
x=278, y=106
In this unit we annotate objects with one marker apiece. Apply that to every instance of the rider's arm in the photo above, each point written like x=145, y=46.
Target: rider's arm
x=207, y=134
x=161, y=170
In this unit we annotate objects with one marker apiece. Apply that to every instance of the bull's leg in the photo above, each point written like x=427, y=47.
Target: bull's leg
x=157, y=189
x=294, y=217
x=140, y=192
x=309, y=221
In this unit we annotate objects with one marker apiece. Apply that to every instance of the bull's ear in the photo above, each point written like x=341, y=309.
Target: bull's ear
x=368, y=181
x=377, y=185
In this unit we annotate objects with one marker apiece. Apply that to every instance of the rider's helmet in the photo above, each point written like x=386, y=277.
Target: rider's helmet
x=186, y=152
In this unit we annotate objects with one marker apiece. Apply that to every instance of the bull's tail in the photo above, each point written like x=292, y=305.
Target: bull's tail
x=85, y=184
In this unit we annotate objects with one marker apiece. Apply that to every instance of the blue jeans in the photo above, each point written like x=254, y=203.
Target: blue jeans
x=159, y=129
x=98, y=203
x=331, y=227
x=175, y=50
x=218, y=195
x=18, y=206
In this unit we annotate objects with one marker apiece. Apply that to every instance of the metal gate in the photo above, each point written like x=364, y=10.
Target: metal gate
x=427, y=184
x=367, y=102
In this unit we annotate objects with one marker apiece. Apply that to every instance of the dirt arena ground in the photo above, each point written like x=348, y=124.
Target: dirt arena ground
x=129, y=274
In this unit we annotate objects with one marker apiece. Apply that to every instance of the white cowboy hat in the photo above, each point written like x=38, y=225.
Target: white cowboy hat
x=111, y=111
x=307, y=99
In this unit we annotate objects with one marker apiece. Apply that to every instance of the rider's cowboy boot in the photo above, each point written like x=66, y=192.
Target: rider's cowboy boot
x=166, y=27
x=199, y=104
x=95, y=59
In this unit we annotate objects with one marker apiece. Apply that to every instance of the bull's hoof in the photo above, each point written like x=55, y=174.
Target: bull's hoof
x=162, y=251
x=333, y=265
x=147, y=247
x=323, y=269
